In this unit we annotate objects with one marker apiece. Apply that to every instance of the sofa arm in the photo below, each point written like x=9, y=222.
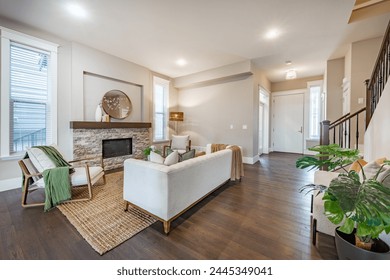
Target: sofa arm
x=323, y=224
x=324, y=177
x=145, y=185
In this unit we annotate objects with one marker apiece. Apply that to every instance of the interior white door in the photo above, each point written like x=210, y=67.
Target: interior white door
x=288, y=123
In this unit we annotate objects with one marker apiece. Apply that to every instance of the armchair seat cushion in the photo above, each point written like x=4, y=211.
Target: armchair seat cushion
x=79, y=177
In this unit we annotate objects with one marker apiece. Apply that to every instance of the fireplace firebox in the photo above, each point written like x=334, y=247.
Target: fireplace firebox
x=117, y=147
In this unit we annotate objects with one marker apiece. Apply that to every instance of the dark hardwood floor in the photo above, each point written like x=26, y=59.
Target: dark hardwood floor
x=262, y=217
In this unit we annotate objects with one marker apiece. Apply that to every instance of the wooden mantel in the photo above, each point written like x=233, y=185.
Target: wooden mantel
x=106, y=125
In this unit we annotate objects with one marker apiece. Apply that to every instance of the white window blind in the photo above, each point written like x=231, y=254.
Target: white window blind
x=29, y=97
x=315, y=111
x=160, y=101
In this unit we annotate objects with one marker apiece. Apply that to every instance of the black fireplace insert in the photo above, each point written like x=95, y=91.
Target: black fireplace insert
x=117, y=147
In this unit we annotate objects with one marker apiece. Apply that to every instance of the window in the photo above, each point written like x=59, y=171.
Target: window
x=28, y=92
x=315, y=109
x=160, y=109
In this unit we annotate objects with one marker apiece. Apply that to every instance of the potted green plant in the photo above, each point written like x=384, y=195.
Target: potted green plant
x=360, y=204
x=149, y=149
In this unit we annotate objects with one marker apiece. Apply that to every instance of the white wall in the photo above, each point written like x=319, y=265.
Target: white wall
x=10, y=172
x=377, y=136
x=85, y=59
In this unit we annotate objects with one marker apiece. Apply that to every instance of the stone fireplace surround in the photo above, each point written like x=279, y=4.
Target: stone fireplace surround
x=88, y=137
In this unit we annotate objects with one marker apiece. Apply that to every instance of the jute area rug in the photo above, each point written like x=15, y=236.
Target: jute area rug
x=102, y=221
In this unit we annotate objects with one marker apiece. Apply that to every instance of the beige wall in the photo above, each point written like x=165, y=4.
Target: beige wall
x=210, y=111
x=334, y=90
x=363, y=57
x=216, y=75
x=213, y=105
x=293, y=84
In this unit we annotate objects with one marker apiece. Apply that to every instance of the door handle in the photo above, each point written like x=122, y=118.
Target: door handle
x=301, y=130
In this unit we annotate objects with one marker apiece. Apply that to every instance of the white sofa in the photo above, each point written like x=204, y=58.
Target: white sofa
x=320, y=222
x=166, y=192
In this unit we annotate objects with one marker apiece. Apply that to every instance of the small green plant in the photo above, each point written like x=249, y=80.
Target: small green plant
x=147, y=150
x=362, y=203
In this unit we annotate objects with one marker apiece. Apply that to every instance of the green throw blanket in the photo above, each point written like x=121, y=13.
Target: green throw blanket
x=57, y=186
x=57, y=183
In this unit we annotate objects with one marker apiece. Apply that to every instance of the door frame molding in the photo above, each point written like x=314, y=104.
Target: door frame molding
x=266, y=121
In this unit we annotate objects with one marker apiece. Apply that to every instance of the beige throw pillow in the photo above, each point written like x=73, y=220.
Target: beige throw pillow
x=156, y=158
x=39, y=159
x=172, y=158
x=371, y=168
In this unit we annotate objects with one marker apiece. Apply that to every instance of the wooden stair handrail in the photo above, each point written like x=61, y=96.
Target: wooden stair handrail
x=341, y=118
x=332, y=125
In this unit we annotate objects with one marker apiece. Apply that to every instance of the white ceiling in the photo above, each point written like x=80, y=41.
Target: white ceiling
x=207, y=33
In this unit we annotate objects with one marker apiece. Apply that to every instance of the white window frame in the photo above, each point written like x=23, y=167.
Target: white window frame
x=318, y=83
x=8, y=36
x=165, y=84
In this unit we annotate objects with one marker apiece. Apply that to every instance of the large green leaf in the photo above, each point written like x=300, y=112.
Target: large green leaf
x=373, y=204
x=331, y=156
x=345, y=189
x=348, y=226
x=307, y=161
x=365, y=205
x=333, y=211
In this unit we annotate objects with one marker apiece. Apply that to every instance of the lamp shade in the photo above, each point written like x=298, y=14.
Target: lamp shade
x=176, y=116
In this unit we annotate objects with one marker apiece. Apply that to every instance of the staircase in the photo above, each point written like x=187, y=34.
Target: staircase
x=348, y=131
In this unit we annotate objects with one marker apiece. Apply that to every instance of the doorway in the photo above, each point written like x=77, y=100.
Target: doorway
x=288, y=114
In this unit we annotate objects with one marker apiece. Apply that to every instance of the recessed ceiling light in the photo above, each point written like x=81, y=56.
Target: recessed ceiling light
x=288, y=62
x=181, y=62
x=76, y=10
x=272, y=34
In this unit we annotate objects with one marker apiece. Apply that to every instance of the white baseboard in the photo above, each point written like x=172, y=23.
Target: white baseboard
x=10, y=184
x=250, y=160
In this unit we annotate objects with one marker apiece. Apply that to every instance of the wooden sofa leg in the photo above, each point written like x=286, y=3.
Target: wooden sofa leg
x=167, y=226
x=126, y=206
x=314, y=233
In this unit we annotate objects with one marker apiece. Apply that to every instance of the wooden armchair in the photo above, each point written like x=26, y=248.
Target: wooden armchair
x=180, y=143
x=85, y=176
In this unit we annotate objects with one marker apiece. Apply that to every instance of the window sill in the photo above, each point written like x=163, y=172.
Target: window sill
x=13, y=157
x=160, y=142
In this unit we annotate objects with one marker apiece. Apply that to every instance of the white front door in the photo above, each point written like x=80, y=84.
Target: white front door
x=288, y=123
